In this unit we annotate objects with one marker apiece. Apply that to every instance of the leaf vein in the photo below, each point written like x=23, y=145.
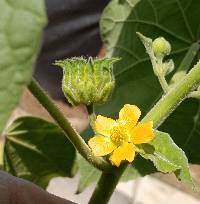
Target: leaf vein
x=154, y=10
x=23, y=144
x=130, y=52
x=158, y=26
x=185, y=20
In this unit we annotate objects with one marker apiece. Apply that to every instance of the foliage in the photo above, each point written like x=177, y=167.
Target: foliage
x=167, y=158
x=143, y=168
x=38, y=150
x=177, y=21
x=135, y=80
x=21, y=26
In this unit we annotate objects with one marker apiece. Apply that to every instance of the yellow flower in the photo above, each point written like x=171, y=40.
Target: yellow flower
x=119, y=137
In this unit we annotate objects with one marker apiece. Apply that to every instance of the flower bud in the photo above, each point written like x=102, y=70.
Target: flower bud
x=168, y=66
x=161, y=47
x=87, y=81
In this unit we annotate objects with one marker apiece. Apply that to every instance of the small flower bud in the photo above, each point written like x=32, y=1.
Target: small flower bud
x=87, y=81
x=161, y=47
x=168, y=66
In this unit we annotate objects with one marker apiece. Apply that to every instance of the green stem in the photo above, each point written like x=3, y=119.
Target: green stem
x=70, y=132
x=163, y=83
x=189, y=57
x=194, y=94
x=106, y=185
x=186, y=63
x=157, y=114
x=168, y=103
x=158, y=71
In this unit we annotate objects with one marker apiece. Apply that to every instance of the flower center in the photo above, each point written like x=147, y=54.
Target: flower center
x=118, y=135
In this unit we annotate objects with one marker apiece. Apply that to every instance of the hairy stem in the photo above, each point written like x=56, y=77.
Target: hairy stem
x=194, y=94
x=69, y=131
x=159, y=73
x=165, y=106
x=106, y=185
x=186, y=63
x=168, y=103
x=163, y=83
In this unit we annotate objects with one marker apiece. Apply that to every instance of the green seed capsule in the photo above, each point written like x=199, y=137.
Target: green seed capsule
x=87, y=81
x=161, y=47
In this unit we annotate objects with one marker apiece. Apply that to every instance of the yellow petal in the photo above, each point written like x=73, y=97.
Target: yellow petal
x=103, y=125
x=130, y=114
x=124, y=152
x=142, y=133
x=101, y=145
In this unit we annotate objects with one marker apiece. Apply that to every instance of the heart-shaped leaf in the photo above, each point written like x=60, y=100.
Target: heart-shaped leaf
x=21, y=26
x=175, y=20
x=167, y=156
x=38, y=150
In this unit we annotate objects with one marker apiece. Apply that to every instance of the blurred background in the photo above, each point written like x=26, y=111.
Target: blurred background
x=73, y=30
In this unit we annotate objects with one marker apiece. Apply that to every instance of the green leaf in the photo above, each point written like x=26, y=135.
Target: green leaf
x=89, y=174
x=139, y=168
x=183, y=126
x=116, y=11
x=21, y=26
x=175, y=20
x=167, y=156
x=38, y=150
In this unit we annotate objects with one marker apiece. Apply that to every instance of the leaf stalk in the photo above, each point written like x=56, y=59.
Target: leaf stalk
x=65, y=125
x=165, y=106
